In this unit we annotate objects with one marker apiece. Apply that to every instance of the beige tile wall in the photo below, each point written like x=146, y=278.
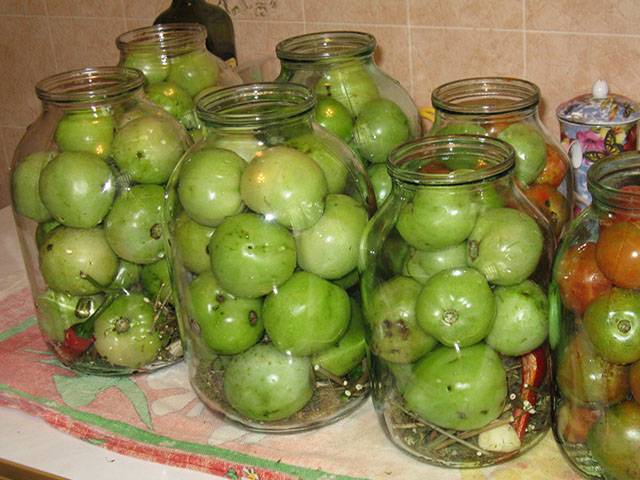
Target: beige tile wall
x=562, y=45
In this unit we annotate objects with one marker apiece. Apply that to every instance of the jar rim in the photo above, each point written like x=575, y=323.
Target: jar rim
x=485, y=95
x=605, y=180
x=255, y=104
x=326, y=46
x=90, y=84
x=404, y=161
x=163, y=37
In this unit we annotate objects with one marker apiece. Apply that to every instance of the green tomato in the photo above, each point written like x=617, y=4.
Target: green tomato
x=423, y=264
x=150, y=64
x=69, y=255
x=250, y=256
x=505, y=245
x=264, y=384
x=244, y=144
x=468, y=128
x=350, y=349
x=457, y=307
x=349, y=280
x=194, y=71
x=487, y=197
x=59, y=311
x=229, y=325
x=335, y=117
x=173, y=99
x=88, y=132
x=78, y=189
x=156, y=281
x=458, y=389
x=192, y=243
x=335, y=172
x=43, y=230
x=209, y=185
x=125, y=333
x=128, y=274
x=331, y=247
x=286, y=185
x=380, y=127
x=391, y=314
x=381, y=182
x=25, y=186
x=522, y=321
x=147, y=149
x=530, y=147
x=134, y=226
x=306, y=314
x=437, y=218
x=351, y=85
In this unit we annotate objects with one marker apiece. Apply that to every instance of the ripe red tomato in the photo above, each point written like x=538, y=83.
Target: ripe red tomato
x=579, y=278
x=551, y=203
x=629, y=210
x=554, y=170
x=618, y=254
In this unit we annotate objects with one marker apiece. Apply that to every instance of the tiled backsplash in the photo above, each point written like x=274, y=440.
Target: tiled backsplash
x=562, y=45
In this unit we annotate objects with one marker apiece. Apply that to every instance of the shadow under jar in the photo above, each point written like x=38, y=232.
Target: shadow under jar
x=265, y=218
x=595, y=331
x=507, y=108
x=454, y=273
x=357, y=101
x=87, y=185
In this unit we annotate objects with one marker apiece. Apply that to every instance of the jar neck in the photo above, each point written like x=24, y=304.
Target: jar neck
x=90, y=88
x=169, y=39
x=255, y=106
x=499, y=96
x=614, y=184
x=326, y=49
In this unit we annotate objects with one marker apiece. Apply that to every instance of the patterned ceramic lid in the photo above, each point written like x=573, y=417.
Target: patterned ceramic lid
x=599, y=108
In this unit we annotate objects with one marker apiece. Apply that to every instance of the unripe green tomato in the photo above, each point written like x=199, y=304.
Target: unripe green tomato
x=380, y=127
x=125, y=333
x=229, y=325
x=43, y=230
x=306, y=315
x=286, y=185
x=128, y=275
x=192, y=241
x=350, y=84
x=330, y=248
x=156, y=281
x=531, y=150
x=194, y=71
x=264, y=384
x=59, y=311
x=209, y=185
x=147, y=149
x=78, y=189
x=173, y=99
x=69, y=255
x=459, y=128
x=150, y=64
x=88, y=132
x=244, y=144
x=423, y=264
x=335, y=117
x=25, y=186
x=381, y=182
x=250, y=256
x=134, y=226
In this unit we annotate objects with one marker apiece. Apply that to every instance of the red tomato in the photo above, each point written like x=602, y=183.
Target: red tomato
x=575, y=422
x=629, y=210
x=579, y=278
x=554, y=170
x=494, y=128
x=618, y=254
x=551, y=203
x=435, y=167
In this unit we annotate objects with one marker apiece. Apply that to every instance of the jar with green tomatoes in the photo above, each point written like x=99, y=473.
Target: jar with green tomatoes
x=357, y=101
x=455, y=267
x=595, y=326
x=265, y=218
x=176, y=65
x=87, y=186
x=507, y=108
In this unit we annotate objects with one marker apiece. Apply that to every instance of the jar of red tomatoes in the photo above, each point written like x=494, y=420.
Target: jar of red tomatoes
x=595, y=326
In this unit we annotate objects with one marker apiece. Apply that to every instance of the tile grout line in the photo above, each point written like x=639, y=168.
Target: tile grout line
x=524, y=38
x=410, y=48
x=48, y=18
x=304, y=16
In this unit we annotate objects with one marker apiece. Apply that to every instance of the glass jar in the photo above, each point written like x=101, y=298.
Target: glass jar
x=596, y=326
x=176, y=65
x=265, y=218
x=87, y=187
x=507, y=108
x=455, y=268
x=357, y=101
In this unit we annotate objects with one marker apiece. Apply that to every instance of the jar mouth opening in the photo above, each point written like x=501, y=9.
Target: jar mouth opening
x=253, y=105
x=326, y=47
x=163, y=37
x=451, y=160
x=91, y=84
x=607, y=179
x=485, y=95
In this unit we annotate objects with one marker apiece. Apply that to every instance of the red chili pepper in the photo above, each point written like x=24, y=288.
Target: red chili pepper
x=534, y=369
x=75, y=344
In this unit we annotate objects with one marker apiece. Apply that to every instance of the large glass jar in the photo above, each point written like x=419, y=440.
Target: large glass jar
x=455, y=269
x=357, y=101
x=88, y=186
x=596, y=326
x=176, y=65
x=507, y=108
x=265, y=220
